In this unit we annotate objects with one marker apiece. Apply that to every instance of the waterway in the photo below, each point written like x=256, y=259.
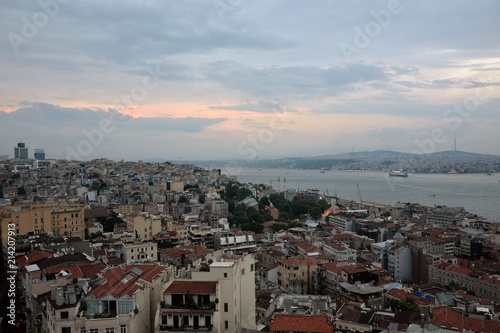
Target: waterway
x=477, y=193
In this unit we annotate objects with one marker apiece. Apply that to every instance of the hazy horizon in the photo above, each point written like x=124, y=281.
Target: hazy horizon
x=223, y=80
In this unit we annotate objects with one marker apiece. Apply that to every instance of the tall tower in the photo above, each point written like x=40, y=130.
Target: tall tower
x=21, y=151
x=40, y=154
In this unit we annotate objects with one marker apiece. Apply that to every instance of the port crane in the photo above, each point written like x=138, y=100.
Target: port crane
x=359, y=196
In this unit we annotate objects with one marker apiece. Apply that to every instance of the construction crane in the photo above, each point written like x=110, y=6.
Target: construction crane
x=359, y=196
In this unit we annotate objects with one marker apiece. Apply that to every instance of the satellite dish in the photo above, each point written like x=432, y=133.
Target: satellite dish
x=44, y=304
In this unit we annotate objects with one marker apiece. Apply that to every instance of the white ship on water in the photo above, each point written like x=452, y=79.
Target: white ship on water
x=398, y=173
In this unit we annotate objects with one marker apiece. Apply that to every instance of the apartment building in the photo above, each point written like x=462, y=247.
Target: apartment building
x=484, y=285
x=297, y=275
x=381, y=251
x=339, y=251
x=399, y=263
x=57, y=218
x=139, y=251
x=125, y=300
x=216, y=297
x=144, y=225
x=219, y=208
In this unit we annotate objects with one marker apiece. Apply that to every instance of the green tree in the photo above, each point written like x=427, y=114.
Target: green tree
x=96, y=186
x=264, y=202
x=315, y=212
x=323, y=204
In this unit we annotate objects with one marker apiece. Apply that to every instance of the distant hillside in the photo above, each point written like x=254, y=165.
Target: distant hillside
x=373, y=160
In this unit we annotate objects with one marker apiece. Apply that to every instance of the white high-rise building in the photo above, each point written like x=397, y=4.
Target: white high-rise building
x=218, y=297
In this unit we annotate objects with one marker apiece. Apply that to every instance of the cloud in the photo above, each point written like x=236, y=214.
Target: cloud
x=266, y=106
x=37, y=114
x=292, y=80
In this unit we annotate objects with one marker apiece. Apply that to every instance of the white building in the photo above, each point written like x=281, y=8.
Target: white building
x=219, y=297
x=339, y=251
x=380, y=251
x=400, y=263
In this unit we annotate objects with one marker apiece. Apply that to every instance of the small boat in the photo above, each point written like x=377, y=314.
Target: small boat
x=432, y=195
x=398, y=173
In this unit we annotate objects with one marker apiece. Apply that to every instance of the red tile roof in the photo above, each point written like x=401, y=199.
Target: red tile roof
x=402, y=295
x=460, y=270
x=32, y=257
x=300, y=323
x=353, y=270
x=449, y=318
x=192, y=287
x=74, y=270
x=149, y=271
x=91, y=270
x=118, y=283
x=308, y=247
x=122, y=281
x=178, y=253
x=495, y=279
x=343, y=236
x=332, y=267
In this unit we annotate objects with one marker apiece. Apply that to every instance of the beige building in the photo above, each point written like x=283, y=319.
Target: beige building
x=297, y=275
x=483, y=285
x=175, y=186
x=129, y=209
x=145, y=225
x=58, y=218
x=219, y=297
x=140, y=251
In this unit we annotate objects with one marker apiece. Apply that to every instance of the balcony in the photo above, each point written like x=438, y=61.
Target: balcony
x=185, y=308
x=187, y=329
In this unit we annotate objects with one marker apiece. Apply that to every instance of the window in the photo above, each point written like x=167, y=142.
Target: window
x=226, y=307
x=66, y=330
x=94, y=330
x=225, y=275
x=110, y=330
x=226, y=324
x=64, y=314
x=82, y=330
x=123, y=329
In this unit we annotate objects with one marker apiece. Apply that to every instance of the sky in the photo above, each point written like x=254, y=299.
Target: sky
x=241, y=79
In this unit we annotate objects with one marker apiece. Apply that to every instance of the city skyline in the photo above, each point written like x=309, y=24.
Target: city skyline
x=238, y=79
